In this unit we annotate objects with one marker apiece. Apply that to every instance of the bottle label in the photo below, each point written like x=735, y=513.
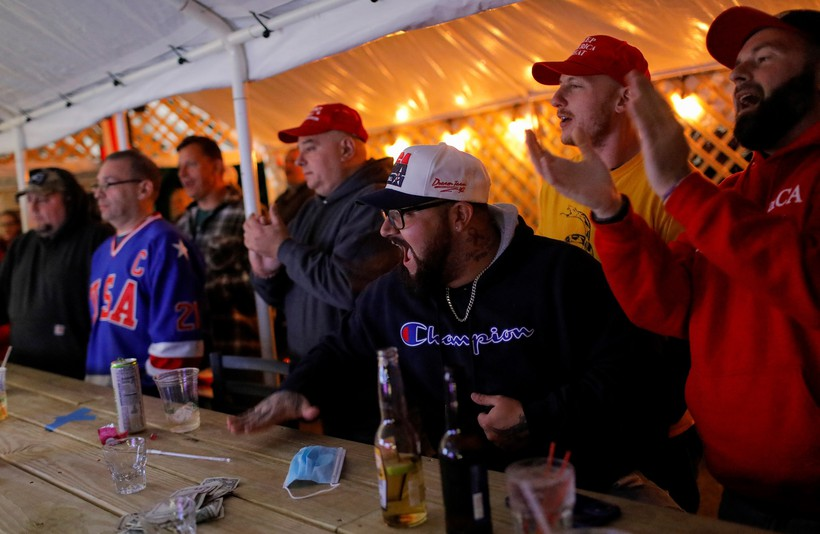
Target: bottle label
x=478, y=483
x=382, y=480
x=478, y=506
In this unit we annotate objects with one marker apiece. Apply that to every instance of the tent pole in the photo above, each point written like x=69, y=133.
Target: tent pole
x=247, y=168
x=250, y=185
x=21, y=171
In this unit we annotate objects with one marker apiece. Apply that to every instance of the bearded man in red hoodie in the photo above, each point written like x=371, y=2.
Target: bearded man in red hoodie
x=742, y=282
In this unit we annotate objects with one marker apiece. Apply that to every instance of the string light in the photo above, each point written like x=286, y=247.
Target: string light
x=688, y=108
x=402, y=114
x=395, y=149
x=515, y=138
x=457, y=140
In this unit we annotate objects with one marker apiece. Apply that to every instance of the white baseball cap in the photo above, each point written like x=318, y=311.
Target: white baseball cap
x=425, y=172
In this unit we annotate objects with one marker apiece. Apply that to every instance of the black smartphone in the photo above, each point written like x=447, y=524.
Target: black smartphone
x=592, y=512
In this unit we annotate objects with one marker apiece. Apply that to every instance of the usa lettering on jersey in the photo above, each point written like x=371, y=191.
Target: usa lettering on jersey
x=122, y=309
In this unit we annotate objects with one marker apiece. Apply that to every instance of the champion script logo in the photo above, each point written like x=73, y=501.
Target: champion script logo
x=414, y=334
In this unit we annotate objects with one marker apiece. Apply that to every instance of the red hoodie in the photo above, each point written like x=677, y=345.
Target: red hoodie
x=743, y=284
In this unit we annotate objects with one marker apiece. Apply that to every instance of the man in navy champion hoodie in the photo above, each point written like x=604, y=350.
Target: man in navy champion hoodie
x=546, y=354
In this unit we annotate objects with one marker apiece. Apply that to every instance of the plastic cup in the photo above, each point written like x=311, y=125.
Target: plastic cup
x=126, y=460
x=176, y=514
x=541, y=495
x=180, y=398
x=4, y=404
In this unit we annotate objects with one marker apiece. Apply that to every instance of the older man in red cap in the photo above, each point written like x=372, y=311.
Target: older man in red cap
x=743, y=281
x=313, y=267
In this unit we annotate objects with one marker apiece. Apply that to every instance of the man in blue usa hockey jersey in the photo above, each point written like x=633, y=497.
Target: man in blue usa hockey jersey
x=147, y=281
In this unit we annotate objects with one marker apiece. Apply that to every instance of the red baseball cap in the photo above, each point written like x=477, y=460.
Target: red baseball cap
x=597, y=54
x=732, y=28
x=325, y=118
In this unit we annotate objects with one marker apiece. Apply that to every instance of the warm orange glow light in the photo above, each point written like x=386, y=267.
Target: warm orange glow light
x=395, y=149
x=402, y=114
x=688, y=108
x=457, y=140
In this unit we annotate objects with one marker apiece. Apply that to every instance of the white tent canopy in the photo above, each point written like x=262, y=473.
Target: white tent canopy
x=56, y=53
x=67, y=64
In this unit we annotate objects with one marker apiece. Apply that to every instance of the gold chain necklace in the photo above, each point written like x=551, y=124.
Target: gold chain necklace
x=472, y=297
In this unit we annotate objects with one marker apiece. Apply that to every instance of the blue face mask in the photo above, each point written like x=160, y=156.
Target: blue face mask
x=315, y=465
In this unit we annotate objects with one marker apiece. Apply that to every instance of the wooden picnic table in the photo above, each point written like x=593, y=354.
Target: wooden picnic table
x=56, y=481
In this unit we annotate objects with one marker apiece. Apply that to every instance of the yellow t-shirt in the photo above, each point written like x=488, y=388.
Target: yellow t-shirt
x=563, y=219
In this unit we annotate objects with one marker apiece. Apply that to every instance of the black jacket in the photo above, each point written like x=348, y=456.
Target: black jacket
x=335, y=250
x=44, y=295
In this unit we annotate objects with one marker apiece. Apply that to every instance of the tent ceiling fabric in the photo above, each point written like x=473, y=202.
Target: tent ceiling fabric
x=52, y=48
x=481, y=60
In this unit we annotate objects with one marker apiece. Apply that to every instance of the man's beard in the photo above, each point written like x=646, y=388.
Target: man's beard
x=598, y=128
x=46, y=230
x=430, y=271
x=763, y=128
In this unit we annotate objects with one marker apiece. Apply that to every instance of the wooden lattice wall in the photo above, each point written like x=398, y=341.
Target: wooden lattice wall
x=157, y=129
x=714, y=150
x=84, y=144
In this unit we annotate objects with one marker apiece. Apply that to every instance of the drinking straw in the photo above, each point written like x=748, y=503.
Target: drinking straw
x=194, y=456
x=535, y=508
x=564, y=464
x=6, y=357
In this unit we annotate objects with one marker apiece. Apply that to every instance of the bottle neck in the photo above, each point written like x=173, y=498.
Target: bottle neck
x=451, y=397
x=391, y=386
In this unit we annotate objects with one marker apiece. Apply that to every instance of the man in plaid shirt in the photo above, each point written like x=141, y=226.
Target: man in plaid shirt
x=214, y=222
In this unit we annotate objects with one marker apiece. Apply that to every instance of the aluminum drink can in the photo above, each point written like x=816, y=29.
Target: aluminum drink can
x=125, y=376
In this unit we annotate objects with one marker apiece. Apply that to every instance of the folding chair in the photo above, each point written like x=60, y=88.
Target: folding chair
x=240, y=382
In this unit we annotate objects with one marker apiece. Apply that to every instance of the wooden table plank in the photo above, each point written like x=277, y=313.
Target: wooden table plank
x=77, y=471
x=51, y=385
x=30, y=504
x=260, y=473
x=67, y=464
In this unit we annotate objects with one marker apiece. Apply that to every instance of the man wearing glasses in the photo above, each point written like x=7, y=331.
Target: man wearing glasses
x=147, y=281
x=313, y=268
x=44, y=276
x=546, y=353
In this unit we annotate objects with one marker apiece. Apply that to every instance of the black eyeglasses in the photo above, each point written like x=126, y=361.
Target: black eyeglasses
x=396, y=215
x=104, y=187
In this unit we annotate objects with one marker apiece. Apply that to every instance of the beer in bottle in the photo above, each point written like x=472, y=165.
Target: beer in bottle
x=398, y=450
x=463, y=475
